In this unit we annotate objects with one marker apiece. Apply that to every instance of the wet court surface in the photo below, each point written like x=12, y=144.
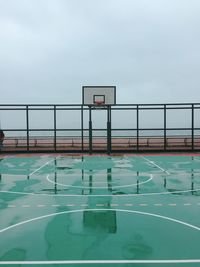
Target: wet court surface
x=138, y=210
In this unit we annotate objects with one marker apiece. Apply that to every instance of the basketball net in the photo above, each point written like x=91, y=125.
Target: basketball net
x=98, y=104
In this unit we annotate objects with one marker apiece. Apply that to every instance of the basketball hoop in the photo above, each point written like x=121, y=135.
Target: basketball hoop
x=99, y=104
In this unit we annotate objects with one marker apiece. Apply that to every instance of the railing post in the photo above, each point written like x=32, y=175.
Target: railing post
x=55, y=130
x=165, y=127
x=27, y=128
x=90, y=130
x=108, y=129
x=192, y=130
x=137, y=122
x=110, y=109
x=82, y=133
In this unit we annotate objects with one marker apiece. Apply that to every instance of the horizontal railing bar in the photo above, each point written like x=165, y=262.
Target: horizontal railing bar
x=126, y=104
x=103, y=129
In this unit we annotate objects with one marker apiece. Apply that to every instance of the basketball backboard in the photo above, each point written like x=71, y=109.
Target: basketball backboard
x=98, y=95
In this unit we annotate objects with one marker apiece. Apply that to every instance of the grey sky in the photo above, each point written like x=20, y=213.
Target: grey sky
x=149, y=49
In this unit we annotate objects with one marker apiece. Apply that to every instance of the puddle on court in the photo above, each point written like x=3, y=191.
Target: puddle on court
x=100, y=175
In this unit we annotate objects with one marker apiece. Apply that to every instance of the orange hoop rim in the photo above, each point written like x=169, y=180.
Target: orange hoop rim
x=99, y=103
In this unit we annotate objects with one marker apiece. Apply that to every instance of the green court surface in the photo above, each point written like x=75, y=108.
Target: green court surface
x=140, y=210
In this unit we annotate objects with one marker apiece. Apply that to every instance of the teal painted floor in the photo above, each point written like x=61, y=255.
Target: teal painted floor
x=100, y=211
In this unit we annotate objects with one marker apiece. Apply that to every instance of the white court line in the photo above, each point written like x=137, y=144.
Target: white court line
x=104, y=195
x=114, y=205
x=156, y=165
x=197, y=159
x=104, y=205
x=98, y=187
x=42, y=166
x=99, y=262
x=118, y=210
x=100, y=205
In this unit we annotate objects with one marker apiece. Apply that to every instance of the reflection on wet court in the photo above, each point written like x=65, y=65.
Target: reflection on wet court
x=100, y=210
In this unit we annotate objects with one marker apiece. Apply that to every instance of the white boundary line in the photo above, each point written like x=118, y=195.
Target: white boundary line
x=99, y=262
x=99, y=187
x=156, y=165
x=41, y=167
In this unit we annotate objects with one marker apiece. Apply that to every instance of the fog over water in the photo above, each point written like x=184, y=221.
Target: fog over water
x=148, y=49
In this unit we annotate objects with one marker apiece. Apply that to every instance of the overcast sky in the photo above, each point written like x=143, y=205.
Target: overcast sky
x=149, y=49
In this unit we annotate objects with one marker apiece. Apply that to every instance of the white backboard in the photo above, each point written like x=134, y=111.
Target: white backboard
x=90, y=93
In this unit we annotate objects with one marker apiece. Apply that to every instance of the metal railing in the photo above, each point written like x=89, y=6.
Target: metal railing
x=149, y=127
